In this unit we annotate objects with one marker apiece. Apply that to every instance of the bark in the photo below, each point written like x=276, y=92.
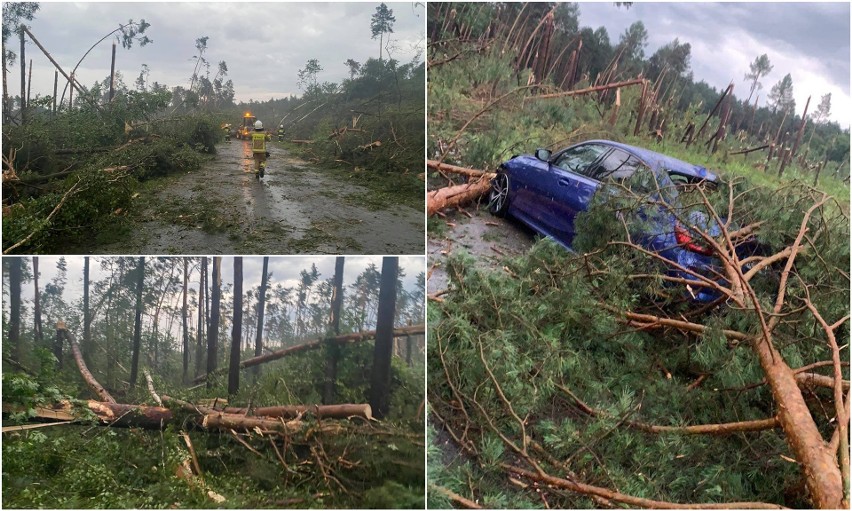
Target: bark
x=87, y=313
x=452, y=196
x=227, y=422
x=15, y=278
x=151, y=390
x=93, y=384
x=640, y=502
x=70, y=79
x=818, y=380
x=237, y=329
x=213, y=331
x=114, y=414
x=137, y=326
x=445, y=167
x=312, y=345
x=456, y=498
x=746, y=151
x=801, y=128
x=715, y=107
x=57, y=346
x=157, y=417
x=641, y=109
x=199, y=334
x=23, y=78
x=382, y=352
x=332, y=349
x=39, y=337
x=261, y=306
x=341, y=411
x=588, y=90
x=112, y=74
x=185, y=323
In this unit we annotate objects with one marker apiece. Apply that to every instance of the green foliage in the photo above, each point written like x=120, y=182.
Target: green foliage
x=93, y=197
x=555, y=323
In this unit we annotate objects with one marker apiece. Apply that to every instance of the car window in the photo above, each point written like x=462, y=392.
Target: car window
x=579, y=159
x=617, y=165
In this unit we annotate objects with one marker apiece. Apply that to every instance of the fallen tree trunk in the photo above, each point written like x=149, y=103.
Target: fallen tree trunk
x=598, y=88
x=340, y=339
x=96, y=387
x=464, y=171
x=114, y=414
x=452, y=196
x=155, y=417
x=342, y=411
x=226, y=421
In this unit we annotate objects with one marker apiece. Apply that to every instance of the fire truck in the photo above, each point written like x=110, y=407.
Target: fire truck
x=246, y=127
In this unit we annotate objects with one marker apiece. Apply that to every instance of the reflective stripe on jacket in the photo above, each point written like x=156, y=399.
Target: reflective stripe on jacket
x=258, y=142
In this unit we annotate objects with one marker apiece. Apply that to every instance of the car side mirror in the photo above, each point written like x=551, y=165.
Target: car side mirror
x=542, y=154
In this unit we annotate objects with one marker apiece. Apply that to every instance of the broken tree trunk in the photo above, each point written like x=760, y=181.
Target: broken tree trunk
x=340, y=339
x=451, y=196
x=801, y=128
x=96, y=387
x=341, y=411
x=151, y=388
x=716, y=107
x=70, y=79
x=587, y=90
x=114, y=414
x=746, y=151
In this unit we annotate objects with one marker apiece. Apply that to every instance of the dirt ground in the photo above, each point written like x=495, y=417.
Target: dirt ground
x=487, y=238
x=297, y=208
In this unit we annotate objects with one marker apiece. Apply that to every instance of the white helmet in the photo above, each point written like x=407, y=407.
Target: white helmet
x=258, y=125
x=282, y=126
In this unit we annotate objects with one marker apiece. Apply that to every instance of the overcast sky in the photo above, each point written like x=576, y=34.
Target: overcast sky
x=808, y=40
x=285, y=271
x=264, y=44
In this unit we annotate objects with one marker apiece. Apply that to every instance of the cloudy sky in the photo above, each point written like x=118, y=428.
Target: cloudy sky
x=808, y=40
x=285, y=271
x=264, y=44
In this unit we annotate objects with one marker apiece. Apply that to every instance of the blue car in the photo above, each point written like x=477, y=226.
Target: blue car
x=546, y=192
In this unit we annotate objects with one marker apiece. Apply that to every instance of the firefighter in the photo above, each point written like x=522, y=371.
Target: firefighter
x=258, y=148
x=281, y=133
x=227, y=129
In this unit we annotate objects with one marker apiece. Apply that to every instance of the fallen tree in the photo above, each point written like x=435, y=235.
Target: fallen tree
x=341, y=411
x=158, y=417
x=312, y=345
x=93, y=384
x=608, y=319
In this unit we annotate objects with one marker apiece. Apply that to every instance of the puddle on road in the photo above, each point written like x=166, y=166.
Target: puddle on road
x=297, y=208
x=485, y=237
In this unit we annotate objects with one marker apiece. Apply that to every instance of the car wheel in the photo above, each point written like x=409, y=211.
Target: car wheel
x=498, y=197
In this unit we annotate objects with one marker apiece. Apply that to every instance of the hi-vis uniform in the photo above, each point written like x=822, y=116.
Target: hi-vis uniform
x=280, y=133
x=258, y=148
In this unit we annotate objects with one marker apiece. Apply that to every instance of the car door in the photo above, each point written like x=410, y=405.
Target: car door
x=571, y=187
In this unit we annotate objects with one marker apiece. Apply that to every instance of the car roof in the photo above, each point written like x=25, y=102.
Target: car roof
x=661, y=161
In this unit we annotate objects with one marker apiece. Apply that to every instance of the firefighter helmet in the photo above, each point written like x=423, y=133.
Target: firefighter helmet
x=258, y=125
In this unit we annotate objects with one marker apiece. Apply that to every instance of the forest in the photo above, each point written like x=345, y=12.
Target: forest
x=590, y=378
x=84, y=162
x=244, y=382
